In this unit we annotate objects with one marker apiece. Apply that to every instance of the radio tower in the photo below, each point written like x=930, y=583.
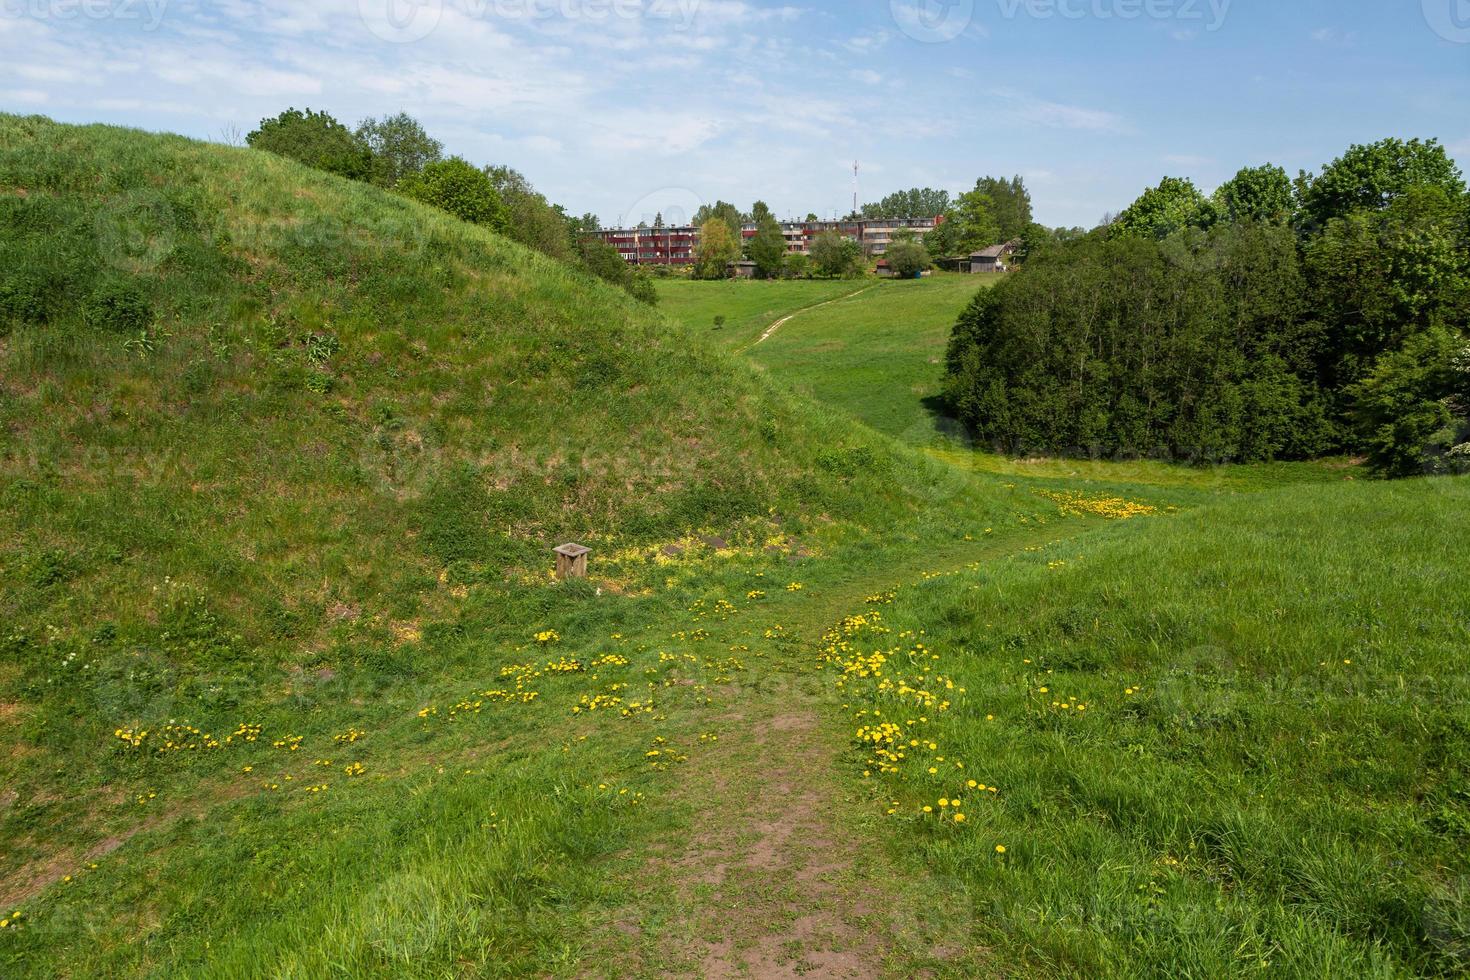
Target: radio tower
x=854, y=188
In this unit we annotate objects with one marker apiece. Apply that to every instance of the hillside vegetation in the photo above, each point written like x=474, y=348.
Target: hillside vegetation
x=1271, y=321
x=286, y=451
x=288, y=690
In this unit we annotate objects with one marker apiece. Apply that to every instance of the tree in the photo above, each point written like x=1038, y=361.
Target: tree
x=974, y=223
x=811, y=218
x=1009, y=205
x=1380, y=277
x=1135, y=346
x=1257, y=194
x=760, y=211
x=907, y=257
x=315, y=139
x=835, y=255
x=532, y=220
x=456, y=186
x=728, y=213
x=918, y=202
x=946, y=237
x=717, y=248
x=1174, y=205
x=604, y=262
x=796, y=266
x=1372, y=177
x=399, y=145
x=768, y=247
x=1412, y=409
x=658, y=221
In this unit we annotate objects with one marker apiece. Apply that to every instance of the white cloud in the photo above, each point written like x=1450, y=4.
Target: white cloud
x=867, y=76
x=1060, y=115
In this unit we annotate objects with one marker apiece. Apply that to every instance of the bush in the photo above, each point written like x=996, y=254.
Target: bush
x=118, y=305
x=465, y=191
x=1411, y=409
x=317, y=140
x=1126, y=345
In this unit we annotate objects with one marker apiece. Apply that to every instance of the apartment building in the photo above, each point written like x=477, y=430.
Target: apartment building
x=677, y=246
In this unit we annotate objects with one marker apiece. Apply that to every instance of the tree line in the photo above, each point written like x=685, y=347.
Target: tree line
x=996, y=210
x=396, y=153
x=1277, y=318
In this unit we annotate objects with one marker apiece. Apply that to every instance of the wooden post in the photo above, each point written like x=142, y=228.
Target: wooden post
x=571, y=561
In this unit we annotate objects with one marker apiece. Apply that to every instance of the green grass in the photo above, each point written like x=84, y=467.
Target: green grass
x=749, y=307
x=1286, y=789
x=284, y=451
x=877, y=356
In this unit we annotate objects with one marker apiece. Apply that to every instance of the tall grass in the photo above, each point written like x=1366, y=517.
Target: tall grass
x=1227, y=742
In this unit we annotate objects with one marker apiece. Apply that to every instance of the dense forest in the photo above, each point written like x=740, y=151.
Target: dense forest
x=1275, y=319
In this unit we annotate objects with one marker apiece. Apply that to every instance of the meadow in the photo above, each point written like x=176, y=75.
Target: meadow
x=288, y=689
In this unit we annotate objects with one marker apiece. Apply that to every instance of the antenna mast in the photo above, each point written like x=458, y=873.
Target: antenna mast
x=855, y=188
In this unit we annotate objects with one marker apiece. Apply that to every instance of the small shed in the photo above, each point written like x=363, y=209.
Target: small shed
x=884, y=270
x=744, y=269
x=996, y=258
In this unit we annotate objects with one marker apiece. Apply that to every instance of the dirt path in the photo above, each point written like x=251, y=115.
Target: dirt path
x=779, y=867
x=786, y=319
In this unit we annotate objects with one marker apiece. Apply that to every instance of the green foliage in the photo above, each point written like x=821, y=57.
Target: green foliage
x=1377, y=259
x=728, y=213
x=533, y=221
x=907, y=257
x=1413, y=406
x=834, y=255
x=768, y=248
x=1129, y=346
x=607, y=264
x=796, y=265
x=1380, y=277
x=1174, y=205
x=917, y=202
x=399, y=146
x=118, y=304
x=718, y=247
x=1257, y=194
x=317, y=140
x=1371, y=177
x=463, y=190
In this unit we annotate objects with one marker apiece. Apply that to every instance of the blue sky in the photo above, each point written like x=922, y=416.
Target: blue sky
x=629, y=107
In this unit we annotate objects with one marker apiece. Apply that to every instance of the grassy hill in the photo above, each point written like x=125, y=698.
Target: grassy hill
x=288, y=690
x=282, y=449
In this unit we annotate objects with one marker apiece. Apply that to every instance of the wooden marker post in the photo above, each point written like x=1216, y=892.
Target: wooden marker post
x=571, y=561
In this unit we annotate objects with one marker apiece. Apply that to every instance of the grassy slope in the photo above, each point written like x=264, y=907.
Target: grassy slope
x=876, y=356
x=323, y=591
x=312, y=487
x=1271, y=773
x=749, y=308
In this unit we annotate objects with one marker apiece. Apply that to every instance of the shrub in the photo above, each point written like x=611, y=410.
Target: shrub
x=465, y=191
x=1410, y=410
x=1131, y=346
x=317, y=140
x=118, y=305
